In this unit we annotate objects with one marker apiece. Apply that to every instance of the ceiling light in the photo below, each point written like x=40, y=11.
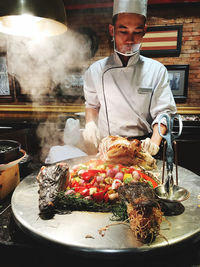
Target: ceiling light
x=32, y=17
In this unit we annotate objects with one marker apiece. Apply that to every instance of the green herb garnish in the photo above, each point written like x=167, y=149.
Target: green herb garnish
x=68, y=203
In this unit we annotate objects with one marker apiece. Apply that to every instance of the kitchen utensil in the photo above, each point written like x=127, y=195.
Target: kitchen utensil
x=10, y=164
x=169, y=190
x=10, y=175
x=9, y=151
x=9, y=179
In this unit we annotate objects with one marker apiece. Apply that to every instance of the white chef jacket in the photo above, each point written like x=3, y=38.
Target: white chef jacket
x=130, y=99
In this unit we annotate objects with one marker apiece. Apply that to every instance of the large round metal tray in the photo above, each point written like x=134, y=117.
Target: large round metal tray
x=79, y=230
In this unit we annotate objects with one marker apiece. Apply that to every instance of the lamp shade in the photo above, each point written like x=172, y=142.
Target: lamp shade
x=32, y=17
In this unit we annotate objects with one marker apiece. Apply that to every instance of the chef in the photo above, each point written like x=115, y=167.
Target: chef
x=126, y=92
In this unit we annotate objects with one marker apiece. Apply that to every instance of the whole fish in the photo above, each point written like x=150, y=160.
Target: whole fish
x=145, y=210
x=52, y=179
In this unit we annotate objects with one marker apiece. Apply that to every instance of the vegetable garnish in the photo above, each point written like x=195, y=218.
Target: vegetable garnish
x=98, y=180
x=66, y=204
x=93, y=187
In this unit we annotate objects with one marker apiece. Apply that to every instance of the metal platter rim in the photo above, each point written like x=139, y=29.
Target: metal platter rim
x=100, y=251
x=140, y=250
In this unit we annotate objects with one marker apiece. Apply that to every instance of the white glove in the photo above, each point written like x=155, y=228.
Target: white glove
x=91, y=134
x=149, y=146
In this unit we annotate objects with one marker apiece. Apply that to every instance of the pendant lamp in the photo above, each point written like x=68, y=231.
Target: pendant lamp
x=32, y=17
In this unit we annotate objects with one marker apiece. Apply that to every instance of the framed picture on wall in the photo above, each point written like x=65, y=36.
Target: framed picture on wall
x=70, y=90
x=162, y=41
x=178, y=79
x=6, y=81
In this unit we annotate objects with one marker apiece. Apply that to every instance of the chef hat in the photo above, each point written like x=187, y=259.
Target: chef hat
x=130, y=6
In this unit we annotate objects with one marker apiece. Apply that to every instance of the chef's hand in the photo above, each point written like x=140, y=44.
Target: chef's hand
x=91, y=136
x=149, y=146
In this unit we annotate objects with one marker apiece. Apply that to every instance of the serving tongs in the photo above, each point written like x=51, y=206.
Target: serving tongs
x=169, y=190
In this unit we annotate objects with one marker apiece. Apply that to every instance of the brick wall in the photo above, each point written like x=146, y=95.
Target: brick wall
x=188, y=16
x=158, y=15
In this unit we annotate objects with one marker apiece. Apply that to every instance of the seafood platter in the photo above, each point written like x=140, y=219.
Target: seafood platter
x=107, y=203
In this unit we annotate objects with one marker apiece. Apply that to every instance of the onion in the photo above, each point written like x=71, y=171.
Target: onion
x=75, y=167
x=88, y=197
x=69, y=192
x=119, y=176
x=81, y=182
x=116, y=169
x=90, y=167
x=116, y=183
x=113, y=196
x=136, y=175
x=99, y=179
x=111, y=173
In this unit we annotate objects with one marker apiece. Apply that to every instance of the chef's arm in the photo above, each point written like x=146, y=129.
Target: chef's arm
x=152, y=144
x=162, y=102
x=156, y=138
x=91, y=114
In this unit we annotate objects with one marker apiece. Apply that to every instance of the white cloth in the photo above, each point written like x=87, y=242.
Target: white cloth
x=135, y=95
x=149, y=146
x=59, y=153
x=71, y=132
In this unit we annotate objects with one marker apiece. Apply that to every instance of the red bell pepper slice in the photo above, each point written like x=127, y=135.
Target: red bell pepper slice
x=89, y=174
x=82, y=190
x=106, y=197
x=74, y=183
x=147, y=178
x=93, y=181
x=99, y=196
x=88, y=185
x=106, y=188
x=78, y=188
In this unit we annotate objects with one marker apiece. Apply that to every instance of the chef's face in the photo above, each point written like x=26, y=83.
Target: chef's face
x=129, y=29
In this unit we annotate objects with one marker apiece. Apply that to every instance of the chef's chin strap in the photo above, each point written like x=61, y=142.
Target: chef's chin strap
x=134, y=49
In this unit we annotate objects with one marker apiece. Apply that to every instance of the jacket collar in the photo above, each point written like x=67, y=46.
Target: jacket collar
x=114, y=61
x=132, y=60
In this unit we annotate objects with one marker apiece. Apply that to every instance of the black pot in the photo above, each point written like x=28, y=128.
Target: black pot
x=9, y=151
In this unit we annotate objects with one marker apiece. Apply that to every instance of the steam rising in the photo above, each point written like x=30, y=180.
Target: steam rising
x=41, y=65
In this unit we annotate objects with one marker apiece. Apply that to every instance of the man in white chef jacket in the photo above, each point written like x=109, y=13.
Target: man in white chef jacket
x=126, y=92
